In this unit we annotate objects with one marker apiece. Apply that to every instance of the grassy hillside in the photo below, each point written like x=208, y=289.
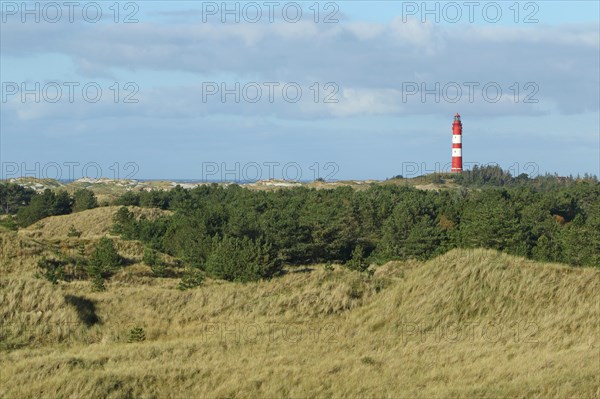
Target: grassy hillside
x=20, y=251
x=466, y=324
x=92, y=223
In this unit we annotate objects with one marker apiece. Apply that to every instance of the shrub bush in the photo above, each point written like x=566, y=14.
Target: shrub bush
x=73, y=232
x=51, y=269
x=242, y=260
x=136, y=334
x=84, y=199
x=192, y=278
x=358, y=261
x=103, y=261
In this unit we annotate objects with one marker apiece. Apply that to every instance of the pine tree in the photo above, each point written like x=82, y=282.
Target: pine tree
x=136, y=334
x=358, y=261
x=191, y=278
x=103, y=261
x=84, y=199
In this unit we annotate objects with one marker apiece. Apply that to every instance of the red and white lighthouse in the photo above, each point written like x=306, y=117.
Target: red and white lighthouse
x=457, y=144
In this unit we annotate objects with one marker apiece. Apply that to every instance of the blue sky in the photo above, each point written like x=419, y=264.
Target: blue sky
x=362, y=112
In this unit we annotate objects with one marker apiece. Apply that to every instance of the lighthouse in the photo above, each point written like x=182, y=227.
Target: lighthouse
x=457, y=144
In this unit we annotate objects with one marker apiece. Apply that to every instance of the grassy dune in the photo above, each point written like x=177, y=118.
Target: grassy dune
x=93, y=223
x=467, y=324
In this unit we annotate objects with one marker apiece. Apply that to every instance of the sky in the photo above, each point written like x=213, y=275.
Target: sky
x=296, y=90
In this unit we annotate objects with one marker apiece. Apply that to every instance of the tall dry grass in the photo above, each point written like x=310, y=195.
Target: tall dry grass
x=467, y=324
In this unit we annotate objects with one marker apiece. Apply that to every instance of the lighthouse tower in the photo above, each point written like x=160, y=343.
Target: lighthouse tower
x=457, y=144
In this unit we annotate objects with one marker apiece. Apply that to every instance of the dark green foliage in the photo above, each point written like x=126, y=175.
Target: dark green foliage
x=153, y=259
x=80, y=260
x=62, y=204
x=155, y=199
x=358, y=261
x=136, y=334
x=546, y=218
x=97, y=282
x=192, y=278
x=9, y=223
x=486, y=175
x=103, y=262
x=51, y=269
x=149, y=231
x=425, y=240
x=84, y=199
x=124, y=224
x=128, y=199
x=13, y=197
x=546, y=249
x=62, y=266
x=159, y=269
x=73, y=232
x=41, y=206
x=242, y=260
x=413, y=230
x=81, y=250
x=491, y=221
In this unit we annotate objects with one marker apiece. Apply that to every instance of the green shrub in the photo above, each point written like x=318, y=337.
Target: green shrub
x=192, y=278
x=51, y=269
x=358, y=261
x=104, y=261
x=13, y=197
x=129, y=198
x=98, y=282
x=136, y=334
x=73, y=232
x=43, y=205
x=81, y=250
x=124, y=223
x=235, y=259
x=105, y=258
x=9, y=223
x=150, y=257
x=84, y=199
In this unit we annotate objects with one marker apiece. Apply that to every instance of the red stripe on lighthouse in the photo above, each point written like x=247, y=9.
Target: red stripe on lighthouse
x=457, y=144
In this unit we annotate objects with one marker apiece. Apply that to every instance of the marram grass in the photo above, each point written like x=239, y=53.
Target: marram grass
x=469, y=324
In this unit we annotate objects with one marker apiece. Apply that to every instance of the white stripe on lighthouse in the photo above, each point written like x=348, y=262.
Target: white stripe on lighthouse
x=457, y=152
x=457, y=139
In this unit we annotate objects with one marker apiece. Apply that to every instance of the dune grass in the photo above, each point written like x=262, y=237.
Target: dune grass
x=470, y=323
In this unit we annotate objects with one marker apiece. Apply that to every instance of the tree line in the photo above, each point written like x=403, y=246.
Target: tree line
x=241, y=234
x=212, y=225
x=29, y=206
